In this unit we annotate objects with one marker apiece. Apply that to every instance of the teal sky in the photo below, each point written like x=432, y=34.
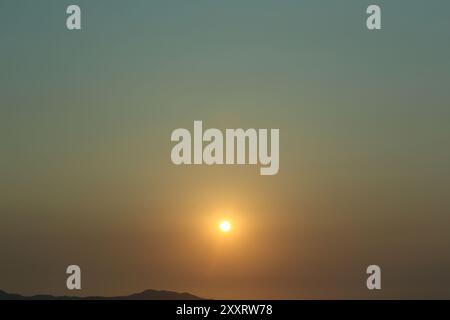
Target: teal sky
x=85, y=124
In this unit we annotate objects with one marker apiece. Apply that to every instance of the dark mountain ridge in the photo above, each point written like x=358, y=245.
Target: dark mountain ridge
x=144, y=295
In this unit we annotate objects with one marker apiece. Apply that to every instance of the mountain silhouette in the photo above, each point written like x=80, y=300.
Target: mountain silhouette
x=144, y=295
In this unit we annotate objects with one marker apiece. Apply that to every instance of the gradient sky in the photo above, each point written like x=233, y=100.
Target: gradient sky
x=86, y=176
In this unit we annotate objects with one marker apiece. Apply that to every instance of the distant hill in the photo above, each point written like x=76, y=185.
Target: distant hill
x=144, y=295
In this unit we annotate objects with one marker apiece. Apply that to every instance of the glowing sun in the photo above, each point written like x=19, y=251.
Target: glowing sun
x=225, y=226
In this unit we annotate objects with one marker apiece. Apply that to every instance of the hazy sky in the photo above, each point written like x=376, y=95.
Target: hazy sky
x=86, y=175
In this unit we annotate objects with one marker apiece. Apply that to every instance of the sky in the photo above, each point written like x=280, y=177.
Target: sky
x=86, y=176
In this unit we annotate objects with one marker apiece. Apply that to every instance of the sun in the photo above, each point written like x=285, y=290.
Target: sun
x=225, y=226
